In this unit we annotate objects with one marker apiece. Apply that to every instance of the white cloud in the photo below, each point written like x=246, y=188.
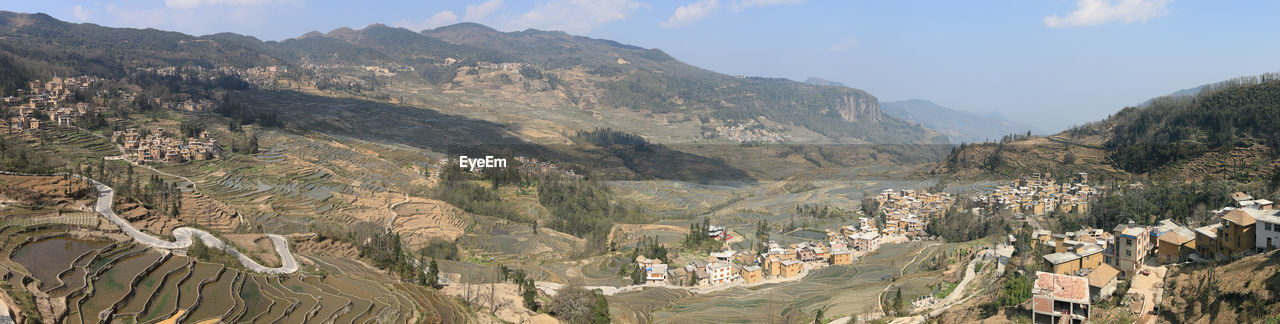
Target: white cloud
x=188, y=4
x=575, y=16
x=744, y=4
x=477, y=12
x=79, y=13
x=1097, y=12
x=844, y=45
x=439, y=19
x=690, y=13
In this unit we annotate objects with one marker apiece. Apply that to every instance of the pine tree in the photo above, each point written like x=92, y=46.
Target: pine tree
x=897, y=301
x=433, y=274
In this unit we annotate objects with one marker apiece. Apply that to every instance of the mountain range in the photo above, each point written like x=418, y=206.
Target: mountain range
x=594, y=76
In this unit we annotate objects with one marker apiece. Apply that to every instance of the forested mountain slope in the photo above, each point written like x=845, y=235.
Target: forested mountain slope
x=1225, y=131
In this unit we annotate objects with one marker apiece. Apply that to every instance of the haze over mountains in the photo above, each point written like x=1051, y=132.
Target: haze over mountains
x=959, y=126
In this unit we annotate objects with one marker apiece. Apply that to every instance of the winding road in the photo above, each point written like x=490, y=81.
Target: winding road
x=184, y=235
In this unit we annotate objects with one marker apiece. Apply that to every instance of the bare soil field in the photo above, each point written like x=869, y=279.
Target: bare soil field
x=258, y=246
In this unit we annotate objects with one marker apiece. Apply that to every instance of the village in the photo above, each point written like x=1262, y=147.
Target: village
x=57, y=99
x=159, y=146
x=54, y=99
x=1090, y=265
x=906, y=213
x=1040, y=194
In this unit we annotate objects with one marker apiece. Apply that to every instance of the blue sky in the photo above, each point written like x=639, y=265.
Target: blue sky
x=1051, y=63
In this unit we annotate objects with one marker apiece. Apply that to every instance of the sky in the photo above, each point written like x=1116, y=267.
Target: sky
x=1050, y=63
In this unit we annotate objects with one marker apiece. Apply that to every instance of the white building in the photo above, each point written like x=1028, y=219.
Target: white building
x=1267, y=228
x=655, y=273
x=720, y=272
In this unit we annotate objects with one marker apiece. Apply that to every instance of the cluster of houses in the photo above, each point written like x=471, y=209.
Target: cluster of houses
x=156, y=146
x=751, y=132
x=1094, y=261
x=841, y=247
x=1040, y=194
x=54, y=99
x=907, y=211
x=533, y=167
x=258, y=76
x=186, y=104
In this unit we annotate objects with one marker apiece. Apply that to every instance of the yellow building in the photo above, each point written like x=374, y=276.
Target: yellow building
x=791, y=268
x=1237, y=233
x=841, y=257
x=1174, y=248
x=752, y=274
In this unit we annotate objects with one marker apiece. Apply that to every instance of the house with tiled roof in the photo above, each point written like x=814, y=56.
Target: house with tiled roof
x=1102, y=282
x=1058, y=298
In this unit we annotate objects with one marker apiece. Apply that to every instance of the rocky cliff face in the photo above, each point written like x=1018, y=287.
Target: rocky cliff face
x=859, y=109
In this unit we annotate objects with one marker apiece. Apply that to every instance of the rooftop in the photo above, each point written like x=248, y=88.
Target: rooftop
x=1061, y=257
x=1089, y=249
x=1239, y=217
x=1174, y=238
x=1210, y=231
x=1061, y=287
x=1102, y=275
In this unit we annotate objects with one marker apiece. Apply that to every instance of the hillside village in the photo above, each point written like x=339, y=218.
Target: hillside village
x=906, y=214
x=55, y=99
x=1088, y=266
x=1040, y=194
x=160, y=146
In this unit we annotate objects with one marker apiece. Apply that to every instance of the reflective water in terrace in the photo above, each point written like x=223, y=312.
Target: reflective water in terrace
x=49, y=257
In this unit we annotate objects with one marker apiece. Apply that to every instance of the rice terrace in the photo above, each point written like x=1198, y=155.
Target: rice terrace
x=638, y=161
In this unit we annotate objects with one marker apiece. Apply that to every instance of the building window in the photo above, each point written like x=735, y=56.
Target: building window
x=1128, y=253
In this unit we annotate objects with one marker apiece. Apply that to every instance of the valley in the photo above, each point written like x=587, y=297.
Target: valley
x=462, y=174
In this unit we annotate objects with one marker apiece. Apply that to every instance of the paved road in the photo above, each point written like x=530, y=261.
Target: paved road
x=183, y=236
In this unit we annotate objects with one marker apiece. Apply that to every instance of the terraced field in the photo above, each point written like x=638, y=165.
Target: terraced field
x=301, y=180
x=75, y=142
x=105, y=281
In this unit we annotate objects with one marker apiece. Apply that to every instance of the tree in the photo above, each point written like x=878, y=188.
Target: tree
x=1015, y=291
x=817, y=317
x=530, y=295
x=433, y=274
x=575, y=304
x=637, y=275
x=1275, y=180
x=897, y=301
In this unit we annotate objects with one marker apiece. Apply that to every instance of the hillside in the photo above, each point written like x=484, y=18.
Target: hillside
x=1221, y=132
x=649, y=80
x=959, y=126
x=1244, y=291
x=556, y=69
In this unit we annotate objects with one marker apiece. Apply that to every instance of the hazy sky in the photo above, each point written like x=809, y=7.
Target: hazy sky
x=1050, y=63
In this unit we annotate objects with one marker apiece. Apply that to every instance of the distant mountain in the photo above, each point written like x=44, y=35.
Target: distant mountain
x=626, y=76
x=578, y=71
x=1176, y=94
x=959, y=126
x=823, y=82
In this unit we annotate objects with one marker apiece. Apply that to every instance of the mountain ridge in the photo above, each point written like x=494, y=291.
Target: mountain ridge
x=608, y=73
x=959, y=126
